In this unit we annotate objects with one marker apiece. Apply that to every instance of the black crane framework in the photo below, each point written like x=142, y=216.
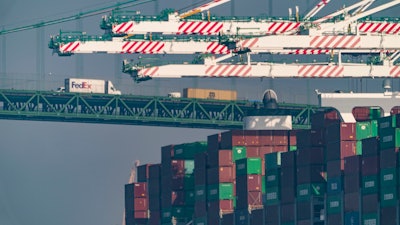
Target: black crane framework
x=142, y=110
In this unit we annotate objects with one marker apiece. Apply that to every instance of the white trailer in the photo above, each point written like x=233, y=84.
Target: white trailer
x=82, y=85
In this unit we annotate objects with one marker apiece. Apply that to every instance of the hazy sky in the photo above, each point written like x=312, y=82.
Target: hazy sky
x=72, y=173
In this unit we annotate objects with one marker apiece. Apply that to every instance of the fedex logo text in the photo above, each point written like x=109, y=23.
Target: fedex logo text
x=83, y=85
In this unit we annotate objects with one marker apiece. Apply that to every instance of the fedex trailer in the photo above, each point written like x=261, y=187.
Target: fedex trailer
x=81, y=85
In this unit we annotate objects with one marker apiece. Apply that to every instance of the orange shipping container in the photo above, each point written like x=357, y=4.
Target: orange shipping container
x=209, y=94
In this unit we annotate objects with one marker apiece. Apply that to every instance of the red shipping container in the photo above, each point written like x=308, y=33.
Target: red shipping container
x=370, y=165
x=352, y=164
x=370, y=146
x=252, y=151
x=340, y=149
x=178, y=167
x=361, y=113
x=271, y=214
x=239, y=138
x=141, y=214
x=334, y=168
x=220, y=157
x=140, y=190
x=388, y=215
x=395, y=110
x=287, y=212
x=280, y=137
x=265, y=137
x=370, y=203
x=311, y=174
x=141, y=204
x=341, y=132
x=388, y=158
x=352, y=202
x=292, y=137
x=213, y=142
x=221, y=174
x=248, y=199
x=310, y=155
x=224, y=205
x=249, y=182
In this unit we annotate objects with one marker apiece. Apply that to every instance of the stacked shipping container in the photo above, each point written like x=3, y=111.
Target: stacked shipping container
x=335, y=173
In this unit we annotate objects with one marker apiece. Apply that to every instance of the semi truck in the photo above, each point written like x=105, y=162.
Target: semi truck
x=82, y=85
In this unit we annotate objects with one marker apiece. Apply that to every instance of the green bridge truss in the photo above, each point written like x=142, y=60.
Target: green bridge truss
x=141, y=110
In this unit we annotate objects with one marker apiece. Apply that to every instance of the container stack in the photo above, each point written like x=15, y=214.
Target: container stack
x=389, y=144
x=333, y=174
x=288, y=182
x=341, y=143
x=177, y=181
x=154, y=190
x=272, y=196
x=311, y=174
x=136, y=204
x=221, y=179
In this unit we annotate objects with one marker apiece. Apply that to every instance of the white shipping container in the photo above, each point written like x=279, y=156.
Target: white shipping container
x=267, y=123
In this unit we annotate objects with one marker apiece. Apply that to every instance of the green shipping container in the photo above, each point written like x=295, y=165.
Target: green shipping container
x=369, y=184
x=166, y=215
x=272, y=178
x=292, y=148
x=374, y=128
x=189, y=197
x=220, y=191
x=388, y=196
x=182, y=212
x=363, y=130
x=238, y=152
x=188, y=182
x=387, y=122
x=358, y=147
x=248, y=166
x=200, y=193
x=305, y=191
x=370, y=219
x=334, y=204
x=388, y=177
x=272, y=196
x=375, y=113
x=189, y=167
x=272, y=160
x=189, y=150
x=263, y=186
x=389, y=138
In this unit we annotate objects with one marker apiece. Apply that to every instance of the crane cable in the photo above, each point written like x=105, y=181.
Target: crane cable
x=77, y=16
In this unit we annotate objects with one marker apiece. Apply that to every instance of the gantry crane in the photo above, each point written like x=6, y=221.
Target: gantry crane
x=186, y=23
